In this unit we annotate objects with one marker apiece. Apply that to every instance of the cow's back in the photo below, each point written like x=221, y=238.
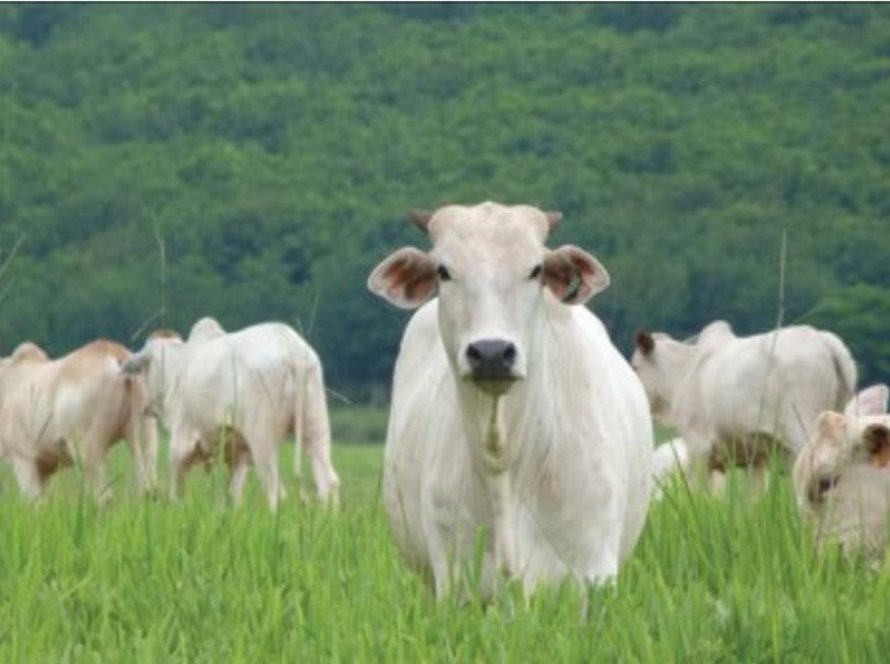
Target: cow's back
x=775, y=383
x=72, y=397
x=90, y=391
x=245, y=376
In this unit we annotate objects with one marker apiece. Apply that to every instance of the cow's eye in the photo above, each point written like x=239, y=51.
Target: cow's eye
x=536, y=272
x=443, y=272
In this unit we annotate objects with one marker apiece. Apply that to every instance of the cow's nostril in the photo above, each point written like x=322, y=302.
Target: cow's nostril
x=491, y=359
x=509, y=355
x=474, y=356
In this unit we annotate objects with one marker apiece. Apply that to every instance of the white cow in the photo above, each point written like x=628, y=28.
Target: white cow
x=55, y=413
x=733, y=398
x=842, y=476
x=511, y=409
x=247, y=390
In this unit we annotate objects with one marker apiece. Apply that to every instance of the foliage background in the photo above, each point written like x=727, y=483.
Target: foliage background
x=271, y=151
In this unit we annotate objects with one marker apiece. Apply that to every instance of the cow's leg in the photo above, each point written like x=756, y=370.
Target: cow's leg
x=31, y=481
x=96, y=473
x=264, y=451
x=327, y=482
x=185, y=450
x=135, y=447
x=239, y=478
x=149, y=435
x=503, y=517
x=437, y=551
x=238, y=459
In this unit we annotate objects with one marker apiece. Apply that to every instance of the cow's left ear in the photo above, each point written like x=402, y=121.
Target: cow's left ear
x=573, y=275
x=406, y=278
x=877, y=442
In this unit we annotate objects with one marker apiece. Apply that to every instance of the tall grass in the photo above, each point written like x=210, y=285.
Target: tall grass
x=728, y=579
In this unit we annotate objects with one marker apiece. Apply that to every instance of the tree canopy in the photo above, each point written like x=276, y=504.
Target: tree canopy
x=252, y=162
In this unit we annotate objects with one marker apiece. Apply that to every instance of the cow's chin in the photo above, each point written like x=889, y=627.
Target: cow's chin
x=494, y=386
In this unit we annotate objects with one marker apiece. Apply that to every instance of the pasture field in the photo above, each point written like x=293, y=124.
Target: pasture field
x=725, y=580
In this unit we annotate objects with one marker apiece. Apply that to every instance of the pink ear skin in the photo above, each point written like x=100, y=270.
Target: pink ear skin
x=644, y=342
x=573, y=275
x=877, y=442
x=406, y=278
x=870, y=401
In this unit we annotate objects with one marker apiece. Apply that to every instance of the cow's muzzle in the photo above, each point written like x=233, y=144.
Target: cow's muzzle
x=492, y=361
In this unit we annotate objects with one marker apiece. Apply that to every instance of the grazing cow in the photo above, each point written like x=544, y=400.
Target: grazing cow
x=54, y=413
x=733, y=399
x=511, y=409
x=842, y=476
x=247, y=390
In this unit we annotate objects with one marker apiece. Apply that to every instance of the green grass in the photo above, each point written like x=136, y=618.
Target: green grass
x=712, y=580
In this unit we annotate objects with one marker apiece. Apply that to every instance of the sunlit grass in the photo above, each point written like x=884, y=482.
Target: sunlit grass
x=726, y=579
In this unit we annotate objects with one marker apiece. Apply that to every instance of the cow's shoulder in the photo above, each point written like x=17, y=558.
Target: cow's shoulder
x=718, y=332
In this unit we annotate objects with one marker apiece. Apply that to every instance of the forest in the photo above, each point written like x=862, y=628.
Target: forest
x=162, y=162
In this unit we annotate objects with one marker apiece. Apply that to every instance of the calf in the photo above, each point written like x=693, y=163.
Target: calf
x=734, y=399
x=246, y=390
x=842, y=476
x=54, y=413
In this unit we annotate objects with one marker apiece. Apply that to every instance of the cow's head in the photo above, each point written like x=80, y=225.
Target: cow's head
x=858, y=436
x=491, y=272
x=657, y=359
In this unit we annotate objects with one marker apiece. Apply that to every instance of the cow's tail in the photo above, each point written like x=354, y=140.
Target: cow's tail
x=313, y=428
x=844, y=369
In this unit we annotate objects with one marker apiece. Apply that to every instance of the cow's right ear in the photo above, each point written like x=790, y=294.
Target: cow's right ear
x=877, y=442
x=644, y=342
x=134, y=364
x=870, y=401
x=406, y=278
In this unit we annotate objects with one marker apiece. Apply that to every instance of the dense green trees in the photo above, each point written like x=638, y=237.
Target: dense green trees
x=268, y=153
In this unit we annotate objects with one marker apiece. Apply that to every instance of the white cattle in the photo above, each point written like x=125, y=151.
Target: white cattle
x=512, y=411
x=842, y=476
x=733, y=398
x=55, y=413
x=668, y=458
x=246, y=390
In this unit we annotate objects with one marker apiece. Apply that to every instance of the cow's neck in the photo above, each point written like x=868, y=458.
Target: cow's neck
x=677, y=360
x=493, y=456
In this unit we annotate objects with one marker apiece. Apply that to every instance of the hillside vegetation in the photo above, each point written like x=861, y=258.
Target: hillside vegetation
x=163, y=162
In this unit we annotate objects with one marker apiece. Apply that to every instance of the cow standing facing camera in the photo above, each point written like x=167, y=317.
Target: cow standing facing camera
x=512, y=412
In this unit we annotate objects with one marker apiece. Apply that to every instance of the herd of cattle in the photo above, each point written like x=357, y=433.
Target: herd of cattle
x=511, y=411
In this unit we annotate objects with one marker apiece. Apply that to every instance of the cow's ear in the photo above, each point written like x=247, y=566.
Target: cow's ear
x=135, y=363
x=870, y=401
x=406, y=278
x=573, y=275
x=877, y=442
x=644, y=342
